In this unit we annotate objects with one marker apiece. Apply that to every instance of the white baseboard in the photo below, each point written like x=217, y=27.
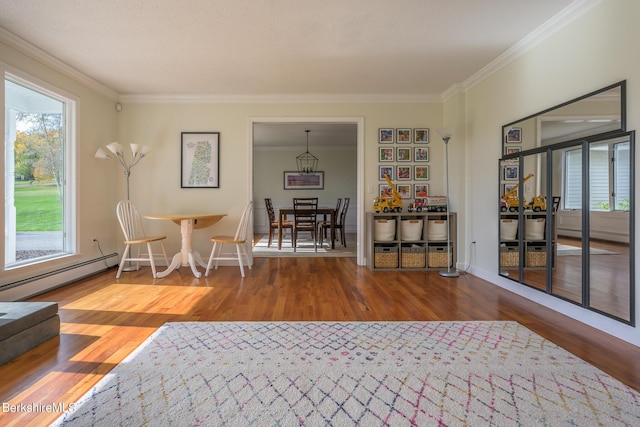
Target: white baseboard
x=627, y=333
x=26, y=288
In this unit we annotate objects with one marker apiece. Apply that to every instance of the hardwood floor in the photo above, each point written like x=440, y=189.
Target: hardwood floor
x=104, y=319
x=610, y=289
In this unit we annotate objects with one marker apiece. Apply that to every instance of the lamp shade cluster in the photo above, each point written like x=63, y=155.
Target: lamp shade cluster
x=115, y=151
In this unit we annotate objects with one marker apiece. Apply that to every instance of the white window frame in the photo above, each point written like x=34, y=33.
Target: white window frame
x=70, y=217
x=609, y=166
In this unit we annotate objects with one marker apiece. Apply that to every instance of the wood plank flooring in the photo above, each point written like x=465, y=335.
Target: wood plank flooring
x=104, y=319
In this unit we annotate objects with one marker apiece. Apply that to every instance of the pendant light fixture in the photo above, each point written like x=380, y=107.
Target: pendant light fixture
x=307, y=162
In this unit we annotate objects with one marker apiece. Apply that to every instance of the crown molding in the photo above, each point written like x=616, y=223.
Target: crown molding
x=43, y=57
x=533, y=39
x=560, y=20
x=280, y=99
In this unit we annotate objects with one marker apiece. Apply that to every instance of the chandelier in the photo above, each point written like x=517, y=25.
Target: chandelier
x=307, y=162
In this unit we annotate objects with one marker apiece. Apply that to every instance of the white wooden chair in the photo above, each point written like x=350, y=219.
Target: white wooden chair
x=131, y=224
x=239, y=240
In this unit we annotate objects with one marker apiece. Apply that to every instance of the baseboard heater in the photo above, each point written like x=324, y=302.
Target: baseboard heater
x=31, y=286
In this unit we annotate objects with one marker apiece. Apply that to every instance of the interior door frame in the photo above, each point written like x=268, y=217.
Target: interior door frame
x=359, y=122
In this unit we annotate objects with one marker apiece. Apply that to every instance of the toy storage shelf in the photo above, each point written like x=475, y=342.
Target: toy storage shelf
x=410, y=241
x=532, y=232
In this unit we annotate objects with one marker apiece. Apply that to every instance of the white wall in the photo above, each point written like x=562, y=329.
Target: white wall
x=594, y=51
x=155, y=183
x=96, y=125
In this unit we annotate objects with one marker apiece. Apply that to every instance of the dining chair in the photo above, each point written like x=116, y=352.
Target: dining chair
x=239, y=240
x=325, y=225
x=134, y=235
x=339, y=225
x=305, y=219
x=273, y=222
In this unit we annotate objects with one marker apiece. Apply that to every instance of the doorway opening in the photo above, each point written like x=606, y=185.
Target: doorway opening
x=338, y=142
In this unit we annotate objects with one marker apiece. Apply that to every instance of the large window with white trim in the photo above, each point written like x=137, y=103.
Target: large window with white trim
x=38, y=215
x=609, y=183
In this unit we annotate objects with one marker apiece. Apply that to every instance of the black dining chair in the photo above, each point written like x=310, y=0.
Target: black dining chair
x=325, y=224
x=273, y=221
x=339, y=226
x=305, y=219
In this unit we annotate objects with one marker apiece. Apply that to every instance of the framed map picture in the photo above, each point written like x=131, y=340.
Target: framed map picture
x=200, y=160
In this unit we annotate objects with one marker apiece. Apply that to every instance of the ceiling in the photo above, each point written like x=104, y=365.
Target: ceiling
x=237, y=49
x=288, y=136
x=283, y=47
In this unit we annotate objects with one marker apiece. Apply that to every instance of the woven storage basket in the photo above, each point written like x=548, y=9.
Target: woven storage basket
x=438, y=257
x=413, y=257
x=385, y=257
x=536, y=256
x=509, y=256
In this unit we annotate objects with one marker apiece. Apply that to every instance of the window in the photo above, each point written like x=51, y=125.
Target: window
x=573, y=179
x=621, y=172
x=609, y=168
x=39, y=221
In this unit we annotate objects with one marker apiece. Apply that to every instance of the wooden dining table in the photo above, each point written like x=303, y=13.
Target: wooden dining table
x=330, y=212
x=187, y=256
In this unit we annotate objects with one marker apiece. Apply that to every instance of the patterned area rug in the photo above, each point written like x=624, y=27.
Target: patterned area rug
x=345, y=374
x=567, y=250
x=305, y=248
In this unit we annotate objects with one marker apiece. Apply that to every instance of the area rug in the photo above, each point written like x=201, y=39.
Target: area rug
x=304, y=248
x=345, y=374
x=567, y=250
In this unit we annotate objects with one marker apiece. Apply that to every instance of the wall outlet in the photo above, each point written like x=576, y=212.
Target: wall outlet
x=94, y=241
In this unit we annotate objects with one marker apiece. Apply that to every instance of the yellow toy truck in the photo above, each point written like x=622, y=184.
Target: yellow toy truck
x=388, y=203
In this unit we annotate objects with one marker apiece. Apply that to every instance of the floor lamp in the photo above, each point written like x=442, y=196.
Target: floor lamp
x=445, y=134
x=137, y=151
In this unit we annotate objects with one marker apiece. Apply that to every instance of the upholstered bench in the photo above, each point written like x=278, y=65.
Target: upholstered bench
x=24, y=325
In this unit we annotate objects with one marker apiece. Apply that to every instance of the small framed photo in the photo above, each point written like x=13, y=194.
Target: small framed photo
x=403, y=136
x=404, y=190
x=508, y=187
x=420, y=154
x=421, y=136
x=200, y=160
x=404, y=173
x=514, y=135
x=512, y=149
x=511, y=173
x=386, y=154
x=403, y=154
x=386, y=170
x=295, y=180
x=385, y=135
x=421, y=173
x=385, y=190
x=421, y=190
